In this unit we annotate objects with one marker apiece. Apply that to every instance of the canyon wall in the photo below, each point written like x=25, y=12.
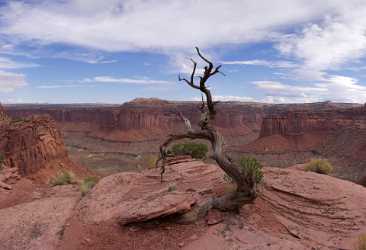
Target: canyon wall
x=294, y=123
x=295, y=136
x=120, y=136
x=28, y=145
x=142, y=120
x=33, y=147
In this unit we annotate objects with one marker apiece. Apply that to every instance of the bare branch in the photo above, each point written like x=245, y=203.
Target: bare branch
x=193, y=71
x=203, y=58
x=188, y=82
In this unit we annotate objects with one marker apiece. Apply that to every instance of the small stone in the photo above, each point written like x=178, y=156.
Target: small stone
x=181, y=244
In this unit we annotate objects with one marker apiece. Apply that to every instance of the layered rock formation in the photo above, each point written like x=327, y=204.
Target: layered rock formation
x=3, y=116
x=144, y=119
x=297, y=123
x=278, y=135
x=296, y=136
x=32, y=147
x=111, y=138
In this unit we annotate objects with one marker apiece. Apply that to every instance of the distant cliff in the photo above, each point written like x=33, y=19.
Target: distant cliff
x=293, y=123
x=149, y=118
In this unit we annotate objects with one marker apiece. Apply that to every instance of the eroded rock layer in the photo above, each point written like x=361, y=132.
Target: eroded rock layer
x=32, y=147
x=144, y=119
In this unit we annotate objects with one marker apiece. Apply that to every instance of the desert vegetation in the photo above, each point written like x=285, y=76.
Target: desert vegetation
x=87, y=184
x=320, y=166
x=195, y=150
x=149, y=160
x=63, y=178
x=251, y=166
x=361, y=242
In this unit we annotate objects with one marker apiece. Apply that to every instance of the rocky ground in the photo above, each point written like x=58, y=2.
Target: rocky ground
x=294, y=210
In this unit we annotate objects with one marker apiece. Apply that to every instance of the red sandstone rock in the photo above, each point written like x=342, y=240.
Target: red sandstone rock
x=3, y=115
x=134, y=197
x=35, y=225
x=34, y=148
x=294, y=210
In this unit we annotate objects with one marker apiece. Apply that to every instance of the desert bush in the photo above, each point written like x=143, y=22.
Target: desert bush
x=252, y=167
x=195, y=150
x=18, y=119
x=63, y=178
x=87, y=184
x=320, y=166
x=361, y=242
x=149, y=161
x=249, y=166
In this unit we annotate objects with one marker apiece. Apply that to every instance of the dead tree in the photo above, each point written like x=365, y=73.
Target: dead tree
x=244, y=180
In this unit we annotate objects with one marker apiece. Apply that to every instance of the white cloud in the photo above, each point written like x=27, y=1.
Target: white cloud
x=6, y=63
x=87, y=57
x=266, y=63
x=59, y=86
x=10, y=81
x=339, y=39
x=110, y=79
x=226, y=98
x=113, y=25
x=335, y=88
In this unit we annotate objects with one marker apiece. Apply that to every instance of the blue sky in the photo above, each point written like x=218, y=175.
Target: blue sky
x=112, y=51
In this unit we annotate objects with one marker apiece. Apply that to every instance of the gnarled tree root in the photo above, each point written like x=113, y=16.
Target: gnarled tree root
x=228, y=202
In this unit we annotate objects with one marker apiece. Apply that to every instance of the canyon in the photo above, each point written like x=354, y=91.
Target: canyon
x=111, y=138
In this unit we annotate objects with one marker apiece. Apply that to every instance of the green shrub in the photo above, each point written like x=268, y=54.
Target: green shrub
x=320, y=166
x=149, y=161
x=18, y=119
x=87, y=184
x=251, y=167
x=195, y=150
x=361, y=243
x=63, y=178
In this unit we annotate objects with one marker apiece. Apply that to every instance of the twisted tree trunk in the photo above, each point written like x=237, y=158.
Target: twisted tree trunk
x=245, y=181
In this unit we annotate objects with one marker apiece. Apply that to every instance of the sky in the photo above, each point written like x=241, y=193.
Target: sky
x=112, y=51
